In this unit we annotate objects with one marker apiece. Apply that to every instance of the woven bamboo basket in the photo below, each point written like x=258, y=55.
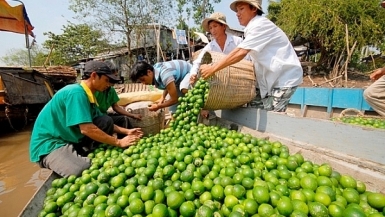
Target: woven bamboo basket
x=134, y=87
x=151, y=123
x=352, y=112
x=232, y=86
x=355, y=112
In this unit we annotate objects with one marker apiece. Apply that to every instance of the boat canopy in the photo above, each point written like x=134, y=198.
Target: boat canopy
x=15, y=19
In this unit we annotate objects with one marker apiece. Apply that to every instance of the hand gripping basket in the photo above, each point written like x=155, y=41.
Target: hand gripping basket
x=232, y=86
x=151, y=123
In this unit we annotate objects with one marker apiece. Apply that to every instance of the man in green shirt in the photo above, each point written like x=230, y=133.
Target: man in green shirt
x=109, y=98
x=70, y=116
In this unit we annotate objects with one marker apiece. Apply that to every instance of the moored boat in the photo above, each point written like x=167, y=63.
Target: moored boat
x=352, y=150
x=24, y=91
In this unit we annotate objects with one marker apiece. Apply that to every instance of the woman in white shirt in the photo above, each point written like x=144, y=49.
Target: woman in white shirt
x=222, y=42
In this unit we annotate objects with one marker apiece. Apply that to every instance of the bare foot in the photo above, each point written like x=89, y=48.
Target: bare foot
x=205, y=113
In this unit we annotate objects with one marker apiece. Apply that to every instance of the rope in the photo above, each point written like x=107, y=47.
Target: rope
x=8, y=111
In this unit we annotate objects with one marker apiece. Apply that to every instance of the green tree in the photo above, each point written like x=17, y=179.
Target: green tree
x=274, y=9
x=19, y=57
x=76, y=42
x=198, y=9
x=181, y=9
x=202, y=9
x=124, y=19
x=324, y=22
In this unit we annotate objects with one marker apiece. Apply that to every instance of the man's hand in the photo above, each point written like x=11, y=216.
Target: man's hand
x=135, y=132
x=207, y=71
x=193, y=79
x=136, y=116
x=377, y=74
x=153, y=107
x=128, y=141
x=133, y=135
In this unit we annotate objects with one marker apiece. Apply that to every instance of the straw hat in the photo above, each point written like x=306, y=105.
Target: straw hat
x=217, y=17
x=255, y=3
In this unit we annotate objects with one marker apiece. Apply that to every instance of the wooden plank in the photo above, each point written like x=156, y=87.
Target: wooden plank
x=2, y=92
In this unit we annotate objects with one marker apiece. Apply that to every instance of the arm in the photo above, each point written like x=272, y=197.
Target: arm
x=122, y=111
x=197, y=62
x=93, y=132
x=235, y=56
x=172, y=91
x=378, y=73
x=161, y=100
x=128, y=132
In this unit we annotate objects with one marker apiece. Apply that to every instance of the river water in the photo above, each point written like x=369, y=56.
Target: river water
x=19, y=178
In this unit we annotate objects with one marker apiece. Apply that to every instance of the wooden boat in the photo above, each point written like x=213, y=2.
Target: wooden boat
x=349, y=149
x=24, y=91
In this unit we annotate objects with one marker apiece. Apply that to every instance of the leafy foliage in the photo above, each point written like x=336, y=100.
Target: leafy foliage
x=199, y=9
x=183, y=10
x=124, y=20
x=322, y=23
x=76, y=42
x=19, y=57
x=202, y=9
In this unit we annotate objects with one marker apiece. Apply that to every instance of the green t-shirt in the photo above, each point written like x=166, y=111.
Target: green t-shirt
x=57, y=123
x=106, y=99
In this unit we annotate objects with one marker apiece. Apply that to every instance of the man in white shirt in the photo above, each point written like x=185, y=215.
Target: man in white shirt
x=277, y=67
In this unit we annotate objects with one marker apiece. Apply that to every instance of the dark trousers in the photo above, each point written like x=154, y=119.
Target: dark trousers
x=121, y=121
x=106, y=124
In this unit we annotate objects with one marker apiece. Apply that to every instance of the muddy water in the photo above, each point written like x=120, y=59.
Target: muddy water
x=19, y=178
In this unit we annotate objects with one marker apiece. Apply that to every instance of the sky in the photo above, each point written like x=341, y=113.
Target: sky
x=51, y=15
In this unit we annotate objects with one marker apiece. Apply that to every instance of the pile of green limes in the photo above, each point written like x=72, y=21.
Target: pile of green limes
x=191, y=169
x=363, y=121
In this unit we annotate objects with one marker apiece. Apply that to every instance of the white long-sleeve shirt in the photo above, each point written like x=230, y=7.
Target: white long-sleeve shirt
x=275, y=62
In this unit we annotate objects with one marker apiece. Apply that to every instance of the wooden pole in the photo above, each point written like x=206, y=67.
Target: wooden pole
x=157, y=33
x=177, y=52
x=188, y=44
x=374, y=62
x=347, y=59
x=26, y=38
x=159, y=51
x=327, y=81
x=49, y=56
x=28, y=45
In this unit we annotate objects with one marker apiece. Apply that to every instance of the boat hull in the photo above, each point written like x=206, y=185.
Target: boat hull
x=345, y=147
